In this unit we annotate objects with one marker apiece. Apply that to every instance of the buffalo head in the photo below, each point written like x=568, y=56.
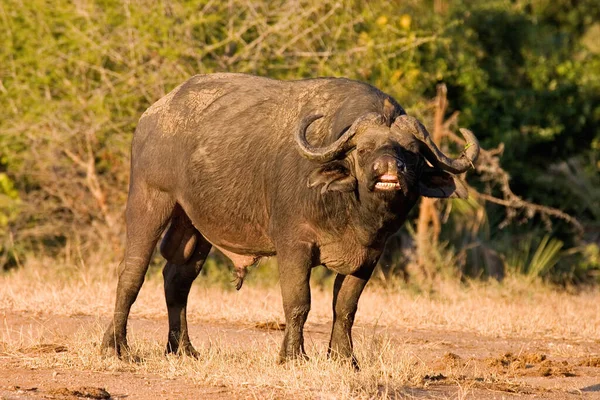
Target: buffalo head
x=387, y=159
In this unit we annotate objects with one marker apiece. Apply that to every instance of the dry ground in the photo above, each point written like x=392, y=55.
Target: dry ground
x=481, y=341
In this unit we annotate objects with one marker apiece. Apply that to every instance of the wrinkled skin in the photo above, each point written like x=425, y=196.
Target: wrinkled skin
x=228, y=161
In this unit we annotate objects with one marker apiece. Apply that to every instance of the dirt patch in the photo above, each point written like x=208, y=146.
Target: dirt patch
x=590, y=362
x=550, y=368
x=434, y=378
x=477, y=367
x=64, y=384
x=509, y=360
x=508, y=387
x=85, y=392
x=43, y=349
x=448, y=362
x=19, y=389
x=530, y=364
x=453, y=360
x=270, y=326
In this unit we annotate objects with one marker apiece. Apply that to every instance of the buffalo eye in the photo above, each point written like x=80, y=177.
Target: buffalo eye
x=365, y=149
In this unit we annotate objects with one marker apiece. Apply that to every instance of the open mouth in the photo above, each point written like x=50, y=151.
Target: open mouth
x=387, y=182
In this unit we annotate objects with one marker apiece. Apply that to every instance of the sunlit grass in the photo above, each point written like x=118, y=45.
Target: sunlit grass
x=240, y=359
x=509, y=308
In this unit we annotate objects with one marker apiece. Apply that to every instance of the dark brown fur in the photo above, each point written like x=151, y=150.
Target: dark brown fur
x=217, y=159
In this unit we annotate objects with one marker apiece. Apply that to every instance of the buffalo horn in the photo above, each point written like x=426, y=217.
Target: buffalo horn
x=435, y=156
x=330, y=152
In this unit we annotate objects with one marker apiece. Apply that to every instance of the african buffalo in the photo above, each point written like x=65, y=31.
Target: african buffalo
x=316, y=171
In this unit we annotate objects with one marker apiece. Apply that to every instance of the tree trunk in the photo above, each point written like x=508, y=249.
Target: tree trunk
x=428, y=224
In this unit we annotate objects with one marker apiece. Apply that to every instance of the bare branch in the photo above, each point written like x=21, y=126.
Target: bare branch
x=488, y=165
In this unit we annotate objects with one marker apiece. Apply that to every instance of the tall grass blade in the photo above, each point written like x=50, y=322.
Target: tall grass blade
x=546, y=256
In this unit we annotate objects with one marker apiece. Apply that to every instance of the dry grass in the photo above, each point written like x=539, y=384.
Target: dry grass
x=249, y=370
x=390, y=367
x=513, y=308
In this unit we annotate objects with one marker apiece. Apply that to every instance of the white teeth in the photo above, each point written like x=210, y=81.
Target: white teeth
x=387, y=185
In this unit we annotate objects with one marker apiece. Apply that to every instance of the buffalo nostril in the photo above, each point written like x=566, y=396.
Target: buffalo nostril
x=395, y=165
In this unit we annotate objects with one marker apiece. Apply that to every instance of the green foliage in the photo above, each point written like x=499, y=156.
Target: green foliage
x=9, y=210
x=578, y=265
x=545, y=257
x=538, y=87
x=540, y=263
x=9, y=201
x=585, y=269
x=76, y=76
x=551, y=262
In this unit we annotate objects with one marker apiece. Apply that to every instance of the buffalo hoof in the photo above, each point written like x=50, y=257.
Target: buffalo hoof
x=182, y=349
x=283, y=358
x=349, y=360
x=114, y=348
x=354, y=363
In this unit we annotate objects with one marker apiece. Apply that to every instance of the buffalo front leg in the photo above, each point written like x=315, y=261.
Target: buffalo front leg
x=147, y=214
x=294, y=276
x=178, y=281
x=346, y=292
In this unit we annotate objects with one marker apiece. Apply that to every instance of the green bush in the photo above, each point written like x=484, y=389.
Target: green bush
x=76, y=76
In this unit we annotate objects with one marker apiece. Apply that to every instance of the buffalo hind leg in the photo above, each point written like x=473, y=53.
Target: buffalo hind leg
x=346, y=292
x=294, y=276
x=178, y=281
x=147, y=213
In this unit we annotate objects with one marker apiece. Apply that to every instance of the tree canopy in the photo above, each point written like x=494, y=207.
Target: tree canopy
x=76, y=76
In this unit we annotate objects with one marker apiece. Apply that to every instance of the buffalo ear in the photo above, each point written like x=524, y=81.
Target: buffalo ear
x=437, y=183
x=335, y=177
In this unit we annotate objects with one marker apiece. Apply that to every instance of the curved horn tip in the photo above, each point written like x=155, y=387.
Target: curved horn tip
x=309, y=119
x=472, y=146
x=467, y=132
